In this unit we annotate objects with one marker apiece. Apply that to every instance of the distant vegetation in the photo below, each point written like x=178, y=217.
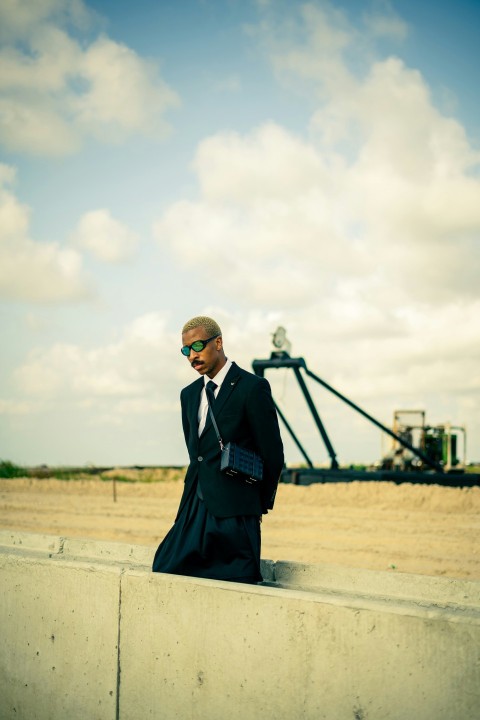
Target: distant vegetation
x=121, y=474
x=136, y=474
x=9, y=470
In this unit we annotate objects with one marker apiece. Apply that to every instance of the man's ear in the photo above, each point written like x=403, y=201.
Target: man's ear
x=219, y=342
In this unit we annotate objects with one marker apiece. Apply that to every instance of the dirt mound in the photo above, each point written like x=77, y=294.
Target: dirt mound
x=425, y=529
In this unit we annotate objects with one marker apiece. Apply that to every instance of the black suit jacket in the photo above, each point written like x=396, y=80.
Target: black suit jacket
x=245, y=414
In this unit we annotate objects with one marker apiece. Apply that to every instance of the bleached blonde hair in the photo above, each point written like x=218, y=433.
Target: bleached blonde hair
x=211, y=326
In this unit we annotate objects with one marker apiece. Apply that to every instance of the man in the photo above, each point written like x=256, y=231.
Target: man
x=217, y=529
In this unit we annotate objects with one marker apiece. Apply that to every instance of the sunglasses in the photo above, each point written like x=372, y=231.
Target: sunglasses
x=196, y=346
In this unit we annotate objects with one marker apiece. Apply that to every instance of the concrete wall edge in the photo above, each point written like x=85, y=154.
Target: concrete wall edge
x=356, y=588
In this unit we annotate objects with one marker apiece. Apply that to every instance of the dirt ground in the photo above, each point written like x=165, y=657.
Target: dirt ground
x=429, y=530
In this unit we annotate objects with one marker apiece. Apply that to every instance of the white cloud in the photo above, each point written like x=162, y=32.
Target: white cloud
x=56, y=90
x=411, y=188
x=125, y=93
x=106, y=238
x=363, y=239
x=17, y=407
x=295, y=221
x=114, y=402
x=21, y=18
x=268, y=163
x=134, y=378
x=35, y=128
x=382, y=21
x=326, y=35
x=129, y=367
x=31, y=270
x=270, y=213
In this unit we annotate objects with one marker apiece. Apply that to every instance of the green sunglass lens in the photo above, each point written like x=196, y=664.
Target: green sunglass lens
x=197, y=346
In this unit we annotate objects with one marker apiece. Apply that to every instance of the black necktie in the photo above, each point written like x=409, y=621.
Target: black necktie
x=210, y=390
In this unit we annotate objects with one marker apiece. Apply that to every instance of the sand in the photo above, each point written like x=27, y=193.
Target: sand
x=423, y=529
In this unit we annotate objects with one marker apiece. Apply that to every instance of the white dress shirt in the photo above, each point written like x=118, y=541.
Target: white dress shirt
x=203, y=407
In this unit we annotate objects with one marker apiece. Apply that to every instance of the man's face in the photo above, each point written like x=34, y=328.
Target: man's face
x=209, y=360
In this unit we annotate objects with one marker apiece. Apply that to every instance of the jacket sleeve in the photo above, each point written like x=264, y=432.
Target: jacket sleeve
x=185, y=420
x=263, y=421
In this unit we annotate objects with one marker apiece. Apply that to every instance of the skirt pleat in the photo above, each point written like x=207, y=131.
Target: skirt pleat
x=202, y=545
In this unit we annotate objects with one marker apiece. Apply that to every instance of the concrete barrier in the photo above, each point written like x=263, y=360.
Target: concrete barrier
x=89, y=632
x=59, y=649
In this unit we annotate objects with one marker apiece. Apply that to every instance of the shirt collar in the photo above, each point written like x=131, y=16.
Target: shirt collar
x=220, y=376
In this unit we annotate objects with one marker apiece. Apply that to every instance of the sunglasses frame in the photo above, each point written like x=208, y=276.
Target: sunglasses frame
x=190, y=347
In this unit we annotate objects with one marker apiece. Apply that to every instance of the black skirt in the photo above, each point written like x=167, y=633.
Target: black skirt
x=202, y=545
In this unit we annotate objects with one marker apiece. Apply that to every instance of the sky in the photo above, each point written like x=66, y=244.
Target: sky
x=266, y=162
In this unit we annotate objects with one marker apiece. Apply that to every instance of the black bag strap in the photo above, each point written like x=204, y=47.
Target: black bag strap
x=210, y=410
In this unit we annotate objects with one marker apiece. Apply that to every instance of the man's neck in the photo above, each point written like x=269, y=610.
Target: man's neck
x=222, y=373
x=217, y=370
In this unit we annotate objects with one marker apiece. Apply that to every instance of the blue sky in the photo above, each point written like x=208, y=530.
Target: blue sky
x=313, y=165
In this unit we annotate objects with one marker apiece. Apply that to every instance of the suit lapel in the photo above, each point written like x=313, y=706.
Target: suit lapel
x=194, y=404
x=228, y=385
x=231, y=379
